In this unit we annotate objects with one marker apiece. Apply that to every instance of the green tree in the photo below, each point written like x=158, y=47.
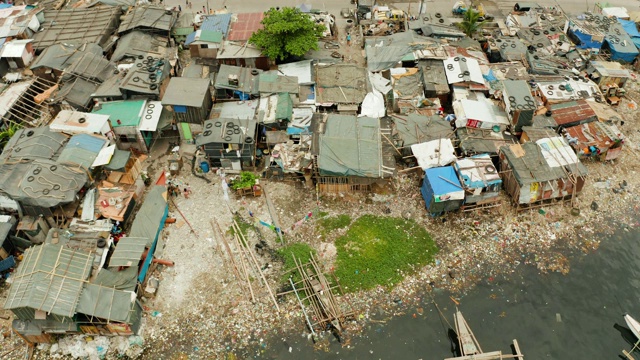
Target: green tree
x=287, y=32
x=470, y=22
x=6, y=134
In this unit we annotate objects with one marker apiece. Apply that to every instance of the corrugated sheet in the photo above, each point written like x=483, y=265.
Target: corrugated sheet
x=82, y=149
x=219, y=22
x=186, y=92
x=573, y=113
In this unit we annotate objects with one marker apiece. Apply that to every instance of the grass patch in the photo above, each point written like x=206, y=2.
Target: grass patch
x=244, y=226
x=301, y=251
x=322, y=214
x=328, y=224
x=380, y=251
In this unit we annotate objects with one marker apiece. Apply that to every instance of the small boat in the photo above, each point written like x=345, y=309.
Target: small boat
x=633, y=324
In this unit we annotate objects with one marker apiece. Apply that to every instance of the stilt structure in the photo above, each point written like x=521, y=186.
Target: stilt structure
x=470, y=348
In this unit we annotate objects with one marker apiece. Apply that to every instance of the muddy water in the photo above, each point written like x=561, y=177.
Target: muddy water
x=577, y=316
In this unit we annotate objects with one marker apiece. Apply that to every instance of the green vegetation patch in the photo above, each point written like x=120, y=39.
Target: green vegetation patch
x=380, y=251
x=246, y=180
x=328, y=224
x=301, y=251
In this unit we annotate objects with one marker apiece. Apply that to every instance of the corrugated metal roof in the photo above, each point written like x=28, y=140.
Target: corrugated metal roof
x=219, y=22
x=210, y=36
x=82, y=149
x=573, y=113
x=245, y=25
x=128, y=251
x=49, y=278
x=186, y=92
x=191, y=37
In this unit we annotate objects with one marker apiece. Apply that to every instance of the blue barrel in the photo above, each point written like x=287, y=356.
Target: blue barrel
x=204, y=166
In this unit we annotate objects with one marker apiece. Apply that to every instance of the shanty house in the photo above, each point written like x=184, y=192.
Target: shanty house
x=242, y=54
x=434, y=153
x=138, y=43
x=480, y=180
x=190, y=99
x=596, y=139
x=17, y=53
x=607, y=73
x=464, y=71
x=204, y=43
x=535, y=172
x=31, y=175
x=134, y=122
x=275, y=111
x=237, y=82
x=441, y=190
x=17, y=105
x=229, y=143
x=79, y=26
x=480, y=141
x=147, y=77
x=407, y=85
x=55, y=59
x=76, y=122
x=480, y=114
x=150, y=18
x=184, y=26
x=415, y=129
x=342, y=85
x=434, y=79
x=519, y=103
x=351, y=155
x=244, y=25
x=19, y=21
x=572, y=113
x=82, y=150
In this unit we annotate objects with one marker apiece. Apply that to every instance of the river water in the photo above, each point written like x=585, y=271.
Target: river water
x=553, y=316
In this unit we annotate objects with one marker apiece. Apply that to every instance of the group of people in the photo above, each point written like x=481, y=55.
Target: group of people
x=174, y=189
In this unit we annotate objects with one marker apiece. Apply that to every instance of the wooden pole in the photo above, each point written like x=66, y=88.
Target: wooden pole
x=226, y=245
x=244, y=268
x=394, y=147
x=183, y=217
x=264, y=279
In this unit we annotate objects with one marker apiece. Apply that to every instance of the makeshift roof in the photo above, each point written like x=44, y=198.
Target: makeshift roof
x=148, y=17
x=341, y=84
x=244, y=25
x=19, y=19
x=407, y=83
x=275, y=107
x=442, y=31
x=270, y=82
x=517, y=92
x=78, y=26
x=482, y=113
x=33, y=143
x=572, y=113
x=238, y=50
x=69, y=121
x=302, y=70
x=609, y=69
x=118, y=160
x=149, y=219
x=234, y=110
x=110, y=88
x=530, y=162
x=248, y=79
x=125, y=279
x=139, y=78
x=140, y=43
x=129, y=112
x=50, y=278
x=128, y=252
x=194, y=71
x=462, y=69
x=107, y=303
x=415, y=128
x=477, y=141
x=185, y=20
x=123, y=4
x=443, y=181
x=204, y=36
x=596, y=133
x=90, y=66
x=82, y=150
x=247, y=129
x=350, y=146
x=434, y=153
x=535, y=133
x=433, y=76
x=477, y=171
x=186, y=92
x=384, y=52
x=77, y=93
x=61, y=56
x=631, y=29
x=218, y=22
x=14, y=48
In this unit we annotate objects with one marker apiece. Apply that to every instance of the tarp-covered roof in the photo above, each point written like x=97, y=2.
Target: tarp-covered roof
x=147, y=223
x=107, y=303
x=77, y=93
x=129, y=112
x=77, y=26
x=125, y=279
x=444, y=181
x=350, y=146
x=247, y=81
x=90, y=66
x=49, y=278
x=272, y=83
x=302, y=70
x=128, y=252
x=385, y=52
x=138, y=78
x=415, y=128
x=35, y=143
x=61, y=56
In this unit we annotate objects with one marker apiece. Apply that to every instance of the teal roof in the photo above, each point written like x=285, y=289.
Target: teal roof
x=210, y=36
x=129, y=112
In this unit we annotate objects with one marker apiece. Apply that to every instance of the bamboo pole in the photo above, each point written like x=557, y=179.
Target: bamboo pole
x=264, y=279
x=244, y=268
x=226, y=245
x=302, y=306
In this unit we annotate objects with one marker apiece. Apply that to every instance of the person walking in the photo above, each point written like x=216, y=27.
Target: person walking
x=348, y=39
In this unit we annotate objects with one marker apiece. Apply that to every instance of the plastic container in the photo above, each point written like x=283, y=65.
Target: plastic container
x=204, y=166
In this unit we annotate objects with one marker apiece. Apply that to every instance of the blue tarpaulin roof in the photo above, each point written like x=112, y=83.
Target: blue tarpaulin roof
x=631, y=29
x=190, y=38
x=442, y=180
x=219, y=22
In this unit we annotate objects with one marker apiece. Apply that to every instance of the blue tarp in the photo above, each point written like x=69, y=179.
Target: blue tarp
x=5, y=6
x=438, y=184
x=190, y=38
x=586, y=41
x=631, y=29
x=7, y=263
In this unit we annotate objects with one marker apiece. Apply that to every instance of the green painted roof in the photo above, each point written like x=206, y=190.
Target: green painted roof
x=129, y=112
x=210, y=36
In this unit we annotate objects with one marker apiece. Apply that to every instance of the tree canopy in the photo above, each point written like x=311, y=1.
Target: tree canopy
x=470, y=22
x=287, y=32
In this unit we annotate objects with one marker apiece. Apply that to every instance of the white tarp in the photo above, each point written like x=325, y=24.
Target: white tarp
x=434, y=153
x=104, y=157
x=89, y=206
x=373, y=105
x=619, y=12
x=461, y=69
x=151, y=116
x=380, y=83
x=557, y=152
